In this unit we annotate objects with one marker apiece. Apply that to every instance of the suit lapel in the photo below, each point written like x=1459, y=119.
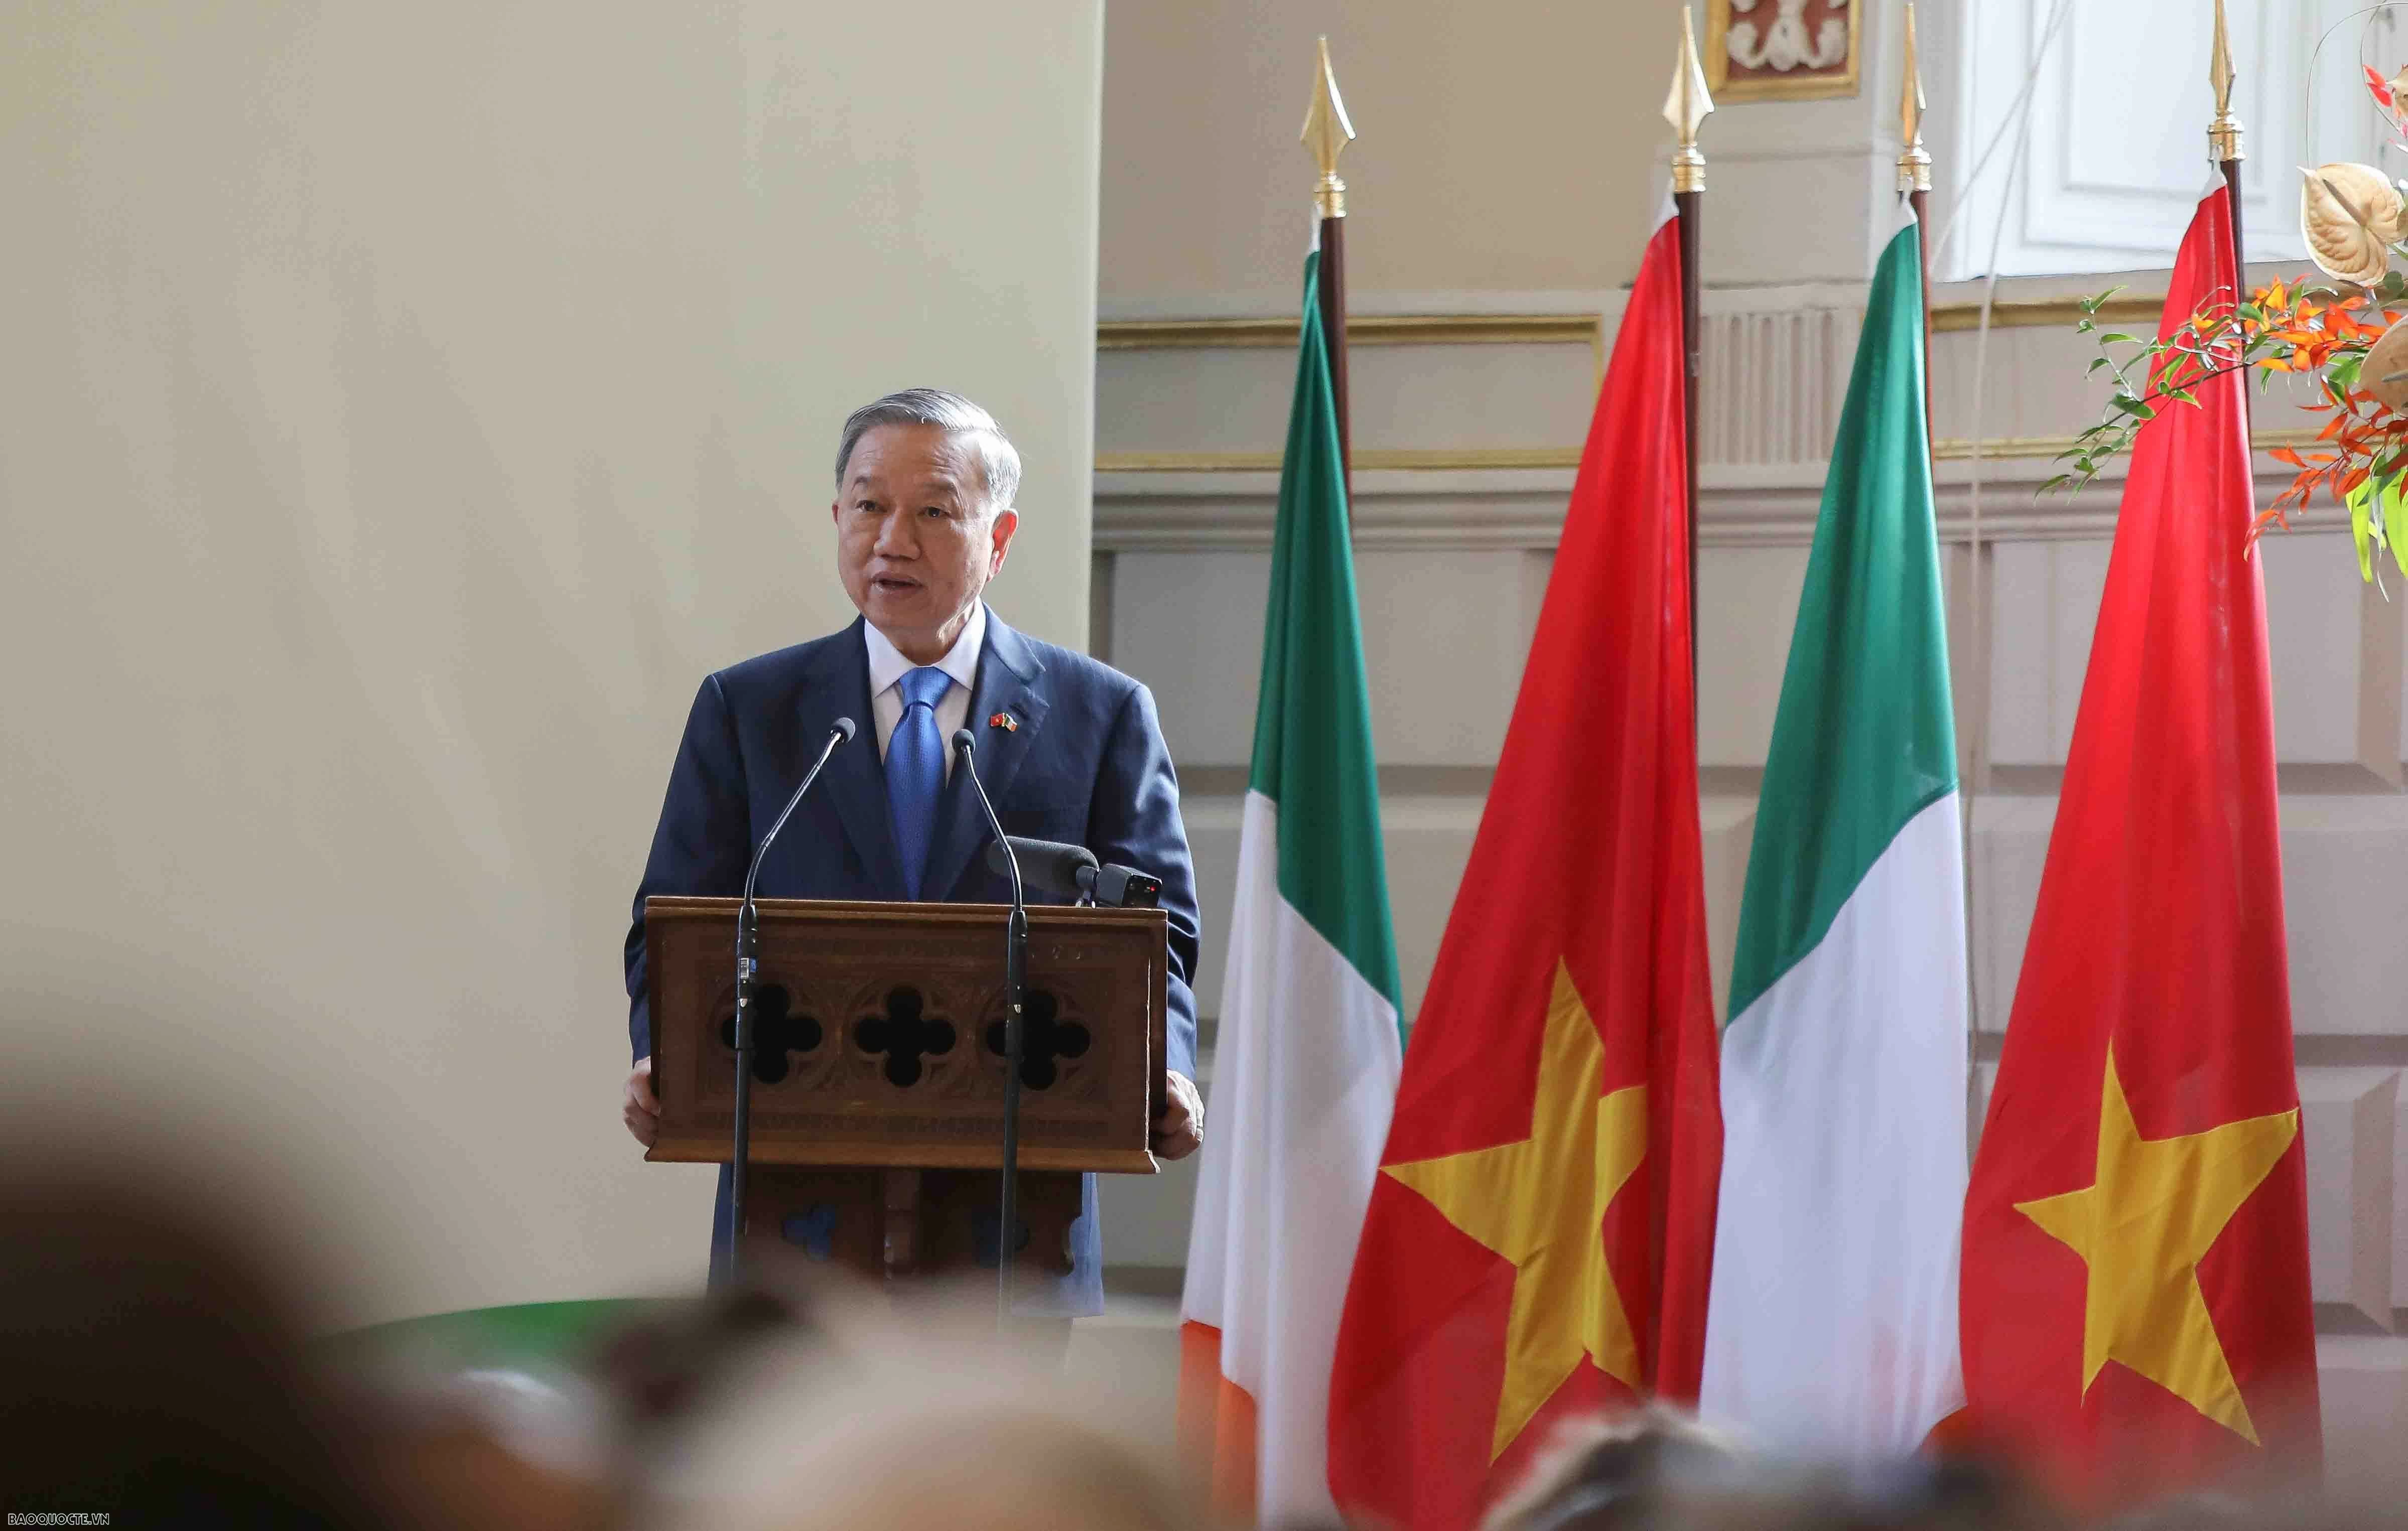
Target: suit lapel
x=1008, y=675
x=855, y=779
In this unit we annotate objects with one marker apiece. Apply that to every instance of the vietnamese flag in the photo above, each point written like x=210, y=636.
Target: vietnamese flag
x=2136, y=1312
x=1538, y=1241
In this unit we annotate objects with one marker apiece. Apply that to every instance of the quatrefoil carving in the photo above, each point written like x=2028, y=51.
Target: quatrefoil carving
x=778, y=1030
x=1046, y=1039
x=906, y=1034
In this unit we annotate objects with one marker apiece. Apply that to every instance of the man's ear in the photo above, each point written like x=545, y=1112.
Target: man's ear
x=1006, y=523
x=836, y=512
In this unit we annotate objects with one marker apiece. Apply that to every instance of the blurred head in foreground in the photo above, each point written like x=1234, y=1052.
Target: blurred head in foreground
x=912, y=1417
x=149, y=1365
x=1618, y=1472
x=1658, y=1470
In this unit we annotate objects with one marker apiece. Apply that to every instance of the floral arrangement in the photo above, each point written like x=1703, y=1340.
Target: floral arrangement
x=2344, y=336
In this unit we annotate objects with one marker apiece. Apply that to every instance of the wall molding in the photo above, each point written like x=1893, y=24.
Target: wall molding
x=1493, y=458
x=2043, y=313
x=1522, y=510
x=1276, y=333
x=1566, y=329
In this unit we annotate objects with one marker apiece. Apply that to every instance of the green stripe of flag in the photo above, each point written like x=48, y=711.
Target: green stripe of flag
x=1313, y=726
x=1864, y=739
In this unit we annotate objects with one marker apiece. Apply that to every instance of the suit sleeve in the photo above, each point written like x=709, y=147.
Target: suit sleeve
x=1135, y=821
x=700, y=846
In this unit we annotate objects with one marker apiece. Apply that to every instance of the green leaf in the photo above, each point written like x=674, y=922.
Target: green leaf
x=2050, y=486
x=2393, y=284
x=2394, y=525
x=2182, y=395
x=2362, y=529
x=2083, y=327
x=2251, y=312
x=2098, y=361
x=2133, y=406
x=2343, y=370
x=2118, y=337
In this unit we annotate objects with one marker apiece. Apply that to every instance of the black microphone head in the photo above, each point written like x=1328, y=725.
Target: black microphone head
x=844, y=729
x=965, y=742
x=1049, y=865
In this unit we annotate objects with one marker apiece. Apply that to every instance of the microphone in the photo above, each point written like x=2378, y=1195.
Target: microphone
x=1015, y=974
x=840, y=733
x=1071, y=871
x=748, y=962
x=1049, y=865
x=966, y=746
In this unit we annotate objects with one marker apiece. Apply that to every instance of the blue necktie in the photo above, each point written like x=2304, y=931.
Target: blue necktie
x=915, y=771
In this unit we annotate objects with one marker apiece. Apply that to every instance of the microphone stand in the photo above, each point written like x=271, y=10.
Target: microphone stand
x=748, y=962
x=1015, y=975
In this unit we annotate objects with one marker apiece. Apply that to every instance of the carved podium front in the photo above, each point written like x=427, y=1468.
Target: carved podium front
x=878, y=1069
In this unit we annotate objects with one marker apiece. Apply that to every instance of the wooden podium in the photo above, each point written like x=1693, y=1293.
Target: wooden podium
x=878, y=1070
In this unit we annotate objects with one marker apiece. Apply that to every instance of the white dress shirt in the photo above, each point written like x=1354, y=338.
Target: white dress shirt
x=887, y=667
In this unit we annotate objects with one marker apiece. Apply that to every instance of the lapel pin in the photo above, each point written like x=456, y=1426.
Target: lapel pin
x=1006, y=722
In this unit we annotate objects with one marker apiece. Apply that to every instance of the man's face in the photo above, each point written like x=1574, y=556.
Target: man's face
x=915, y=538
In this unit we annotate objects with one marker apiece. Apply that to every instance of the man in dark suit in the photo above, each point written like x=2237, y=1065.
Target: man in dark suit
x=1070, y=749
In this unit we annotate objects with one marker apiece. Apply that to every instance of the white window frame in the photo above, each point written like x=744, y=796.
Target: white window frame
x=2071, y=210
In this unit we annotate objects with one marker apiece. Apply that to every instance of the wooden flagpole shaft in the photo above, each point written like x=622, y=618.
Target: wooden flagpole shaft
x=2232, y=170
x=1920, y=200
x=2224, y=147
x=1685, y=107
x=1690, y=206
x=1333, y=327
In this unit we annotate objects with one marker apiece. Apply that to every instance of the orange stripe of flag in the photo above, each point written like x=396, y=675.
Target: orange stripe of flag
x=1216, y=1425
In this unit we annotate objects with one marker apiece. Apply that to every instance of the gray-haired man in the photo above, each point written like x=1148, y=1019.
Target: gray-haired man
x=923, y=514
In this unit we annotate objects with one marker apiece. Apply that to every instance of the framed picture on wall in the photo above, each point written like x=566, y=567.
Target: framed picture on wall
x=1782, y=50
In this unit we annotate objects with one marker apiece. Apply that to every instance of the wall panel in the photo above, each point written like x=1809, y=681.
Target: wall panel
x=405, y=406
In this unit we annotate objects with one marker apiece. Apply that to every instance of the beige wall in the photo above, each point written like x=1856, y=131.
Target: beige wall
x=404, y=406
x=1506, y=146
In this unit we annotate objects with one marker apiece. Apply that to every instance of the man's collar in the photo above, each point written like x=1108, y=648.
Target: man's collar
x=887, y=663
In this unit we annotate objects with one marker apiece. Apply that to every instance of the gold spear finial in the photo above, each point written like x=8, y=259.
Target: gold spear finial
x=2223, y=132
x=1685, y=107
x=1914, y=160
x=1326, y=133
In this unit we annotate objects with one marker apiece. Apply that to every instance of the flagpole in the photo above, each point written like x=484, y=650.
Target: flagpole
x=2224, y=147
x=1326, y=133
x=1915, y=184
x=1685, y=107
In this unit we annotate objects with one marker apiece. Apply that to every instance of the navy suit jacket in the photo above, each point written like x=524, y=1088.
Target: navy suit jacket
x=1087, y=766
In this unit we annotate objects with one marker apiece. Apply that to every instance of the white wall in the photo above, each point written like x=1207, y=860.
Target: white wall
x=403, y=407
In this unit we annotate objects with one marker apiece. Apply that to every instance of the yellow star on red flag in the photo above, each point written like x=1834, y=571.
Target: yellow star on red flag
x=2155, y=1208
x=1541, y=1204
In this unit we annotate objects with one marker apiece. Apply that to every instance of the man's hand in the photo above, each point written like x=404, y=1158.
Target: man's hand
x=1178, y=1128
x=642, y=1108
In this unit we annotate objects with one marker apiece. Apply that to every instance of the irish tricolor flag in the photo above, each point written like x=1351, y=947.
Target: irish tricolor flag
x=1831, y=1328
x=1305, y=1072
